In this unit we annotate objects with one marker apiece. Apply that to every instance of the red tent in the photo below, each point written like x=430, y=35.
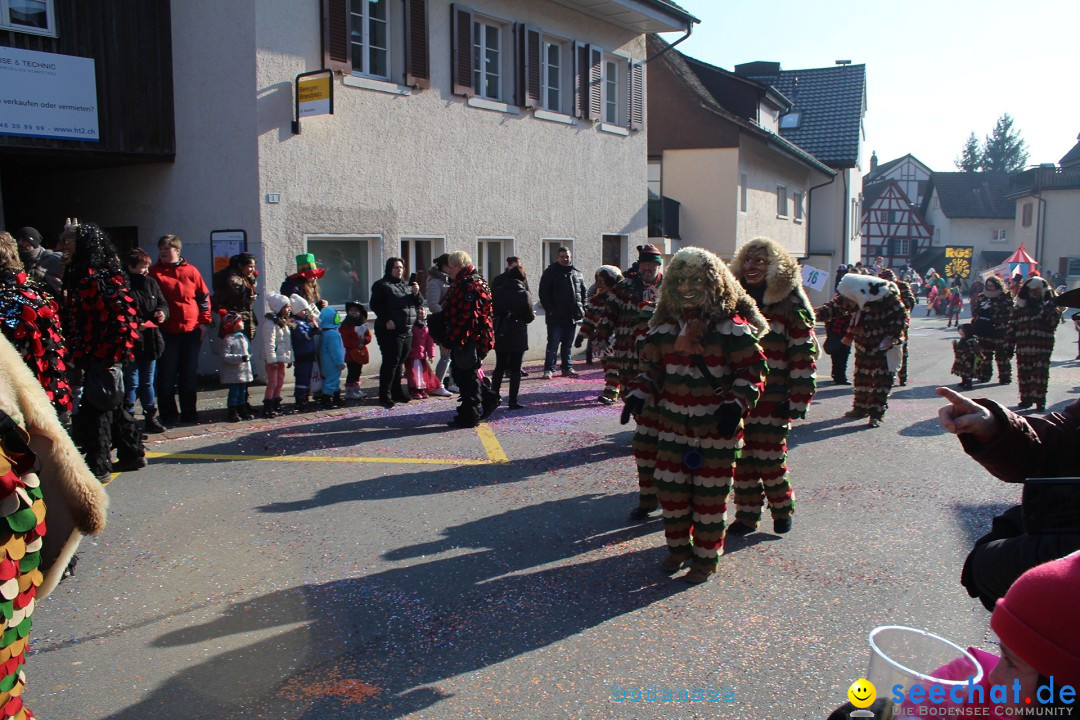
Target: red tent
x=1021, y=262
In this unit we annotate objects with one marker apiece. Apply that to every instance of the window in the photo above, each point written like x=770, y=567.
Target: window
x=1073, y=267
x=554, y=64
x=654, y=179
x=370, y=38
x=418, y=254
x=491, y=254
x=487, y=59
x=347, y=261
x=550, y=248
x=781, y=201
x=29, y=16
x=1026, y=215
x=999, y=236
x=611, y=90
x=900, y=247
x=791, y=120
x=797, y=199
x=894, y=217
x=611, y=250
x=743, y=192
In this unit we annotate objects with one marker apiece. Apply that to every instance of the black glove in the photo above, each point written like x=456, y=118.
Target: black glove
x=728, y=416
x=633, y=405
x=579, y=341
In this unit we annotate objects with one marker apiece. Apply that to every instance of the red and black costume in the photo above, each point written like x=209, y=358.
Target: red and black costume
x=31, y=322
x=471, y=335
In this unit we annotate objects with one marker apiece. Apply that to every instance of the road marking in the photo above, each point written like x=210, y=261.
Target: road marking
x=494, y=450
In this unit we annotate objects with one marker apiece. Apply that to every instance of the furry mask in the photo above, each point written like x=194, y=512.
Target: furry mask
x=862, y=289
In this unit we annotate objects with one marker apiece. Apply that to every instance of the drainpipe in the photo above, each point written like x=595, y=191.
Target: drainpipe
x=689, y=29
x=810, y=210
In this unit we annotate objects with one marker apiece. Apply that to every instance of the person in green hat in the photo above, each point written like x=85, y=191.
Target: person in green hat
x=305, y=281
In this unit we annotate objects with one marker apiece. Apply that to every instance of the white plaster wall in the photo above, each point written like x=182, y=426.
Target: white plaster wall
x=1062, y=236
x=705, y=181
x=1021, y=234
x=831, y=221
x=766, y=168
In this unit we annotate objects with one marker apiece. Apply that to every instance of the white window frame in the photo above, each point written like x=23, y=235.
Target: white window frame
x=1069, y=264
x=479, y=50
x=655, y=177
x=1000, y=235
x=50, y=17
x=797, y=206
x=781, y=202
x=548, y=41
x=365, y=37
x=549, y=247
x=482, y=257
x=374, y=257
x=898, y=243
x=744, y=192
x=612, y=85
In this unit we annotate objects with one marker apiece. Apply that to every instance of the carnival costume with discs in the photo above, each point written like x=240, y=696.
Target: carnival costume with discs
x=1034, y=321
x=791, y=350
x=876, y=330
x=702, y=369
x=990, y=316
x=907, y=297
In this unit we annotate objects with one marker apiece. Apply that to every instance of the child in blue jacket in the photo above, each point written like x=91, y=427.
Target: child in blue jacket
x=331, y=357
x=303, y=343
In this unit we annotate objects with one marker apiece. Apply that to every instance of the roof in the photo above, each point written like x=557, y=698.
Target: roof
x=640, y=16
x=872, y=193
x=1073, y=156
x=831, y=102
x=885, y=167
x=972, y=194
x=677, y=63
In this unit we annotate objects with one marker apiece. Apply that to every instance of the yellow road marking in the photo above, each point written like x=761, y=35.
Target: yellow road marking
x=491, y=444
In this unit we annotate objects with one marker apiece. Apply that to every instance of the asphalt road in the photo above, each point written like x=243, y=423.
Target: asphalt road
x=375, y=564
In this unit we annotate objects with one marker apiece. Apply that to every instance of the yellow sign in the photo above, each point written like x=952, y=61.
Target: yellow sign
x=959, y=252
x=958, y=261
x=313, y=96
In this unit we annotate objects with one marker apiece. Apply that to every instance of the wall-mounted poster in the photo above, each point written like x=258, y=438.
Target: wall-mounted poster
x=47, y=95
x=224, y=244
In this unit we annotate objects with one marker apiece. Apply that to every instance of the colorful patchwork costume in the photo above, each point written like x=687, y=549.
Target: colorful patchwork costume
x=990, y=315
x=30, y=321
x=702, y=369
x=607, y=276
x=791, y=351
x=907, y=297
x=1034, y=321
x=966, y=356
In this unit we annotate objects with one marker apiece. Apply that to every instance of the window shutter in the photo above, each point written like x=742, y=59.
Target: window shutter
x=581, y=79
x=336, y=41
x=637, y=96
x=596, y=81
x=418, y=67
x=529, y=66
x=461, y=48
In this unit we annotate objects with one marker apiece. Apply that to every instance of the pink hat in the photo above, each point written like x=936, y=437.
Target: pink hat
x=229, y=321
x=1037, y=619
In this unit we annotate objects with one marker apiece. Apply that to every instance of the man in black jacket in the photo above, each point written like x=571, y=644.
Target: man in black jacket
x=563, y=297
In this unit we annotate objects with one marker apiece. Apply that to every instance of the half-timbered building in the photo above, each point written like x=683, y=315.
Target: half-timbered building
x=892, y=227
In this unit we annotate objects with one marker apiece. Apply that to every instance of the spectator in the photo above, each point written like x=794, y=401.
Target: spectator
x=152, y=312
x=438, y=284
x=277, y=350
x=30, y=321
x=563, y=297
x=101, y=327
x=234, y=291
x=471, y=337
x=42, y=265
x=235, y=372
x=184, y=330
x=1012, y=448
x=305, y=281
x=394, y=302
x=511, y=262
x=512, y=308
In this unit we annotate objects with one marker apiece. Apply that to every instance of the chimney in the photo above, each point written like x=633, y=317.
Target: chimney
x=759, y=68
x=873, y=161
x=843, y=62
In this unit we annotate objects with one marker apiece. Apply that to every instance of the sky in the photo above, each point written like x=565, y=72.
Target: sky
x=937, y=70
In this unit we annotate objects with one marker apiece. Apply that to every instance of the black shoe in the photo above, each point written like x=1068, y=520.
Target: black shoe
x=463, y=424
x=233, y=415
x=130, y=465
x=639, y=513
x=151, y=424
x=740, y=528
x=401, y=398
x=168, y=420
x=246, y=413
x=302, y=404
x=269, y=409
x=187, y=419
x=781, y=525
x=524, y=373
x=842, y=382
x=515, y=406
x=1004, y=381
x=336, y=400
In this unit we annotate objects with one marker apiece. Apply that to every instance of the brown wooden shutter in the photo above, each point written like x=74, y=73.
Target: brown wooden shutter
x=637, y=96
x=596, y=80
x=461, y=48
x=337, y=43
x=581, y=79
x=418, y=66
x=529, y=66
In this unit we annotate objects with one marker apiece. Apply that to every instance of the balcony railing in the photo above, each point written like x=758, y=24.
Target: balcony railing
x=664, y=217
x=1044, y=178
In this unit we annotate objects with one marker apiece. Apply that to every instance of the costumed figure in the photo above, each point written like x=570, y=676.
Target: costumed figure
x=907, y=297
x=607, y=278
x=966, y=355
x=702, y=370
x=39, y=466
x=419, y=376
x=1034, y=320
x=773, y=279
x=837, y=316
x=331, y=357
x=876, y=330
x=470, y=335
x=305, y=281
x=990, y=316
x=624, y=322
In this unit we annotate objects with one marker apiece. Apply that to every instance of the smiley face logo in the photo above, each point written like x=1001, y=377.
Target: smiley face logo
x=862, y=693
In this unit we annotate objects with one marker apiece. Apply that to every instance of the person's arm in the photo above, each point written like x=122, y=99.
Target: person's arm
x=233, y=353
x=202, y=299
x=802, y=354
x=544, y=291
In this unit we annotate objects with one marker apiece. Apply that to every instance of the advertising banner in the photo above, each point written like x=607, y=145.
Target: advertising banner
x=958, y=260
x=47, y=95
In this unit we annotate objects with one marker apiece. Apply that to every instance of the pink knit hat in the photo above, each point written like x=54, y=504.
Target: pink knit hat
x=1037, y=619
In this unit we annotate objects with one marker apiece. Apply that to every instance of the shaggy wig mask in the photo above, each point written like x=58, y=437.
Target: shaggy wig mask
x=721, y=288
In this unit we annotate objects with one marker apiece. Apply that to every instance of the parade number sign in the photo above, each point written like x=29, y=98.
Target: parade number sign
x=813, y=278
x=47, y=95
x=958, y=261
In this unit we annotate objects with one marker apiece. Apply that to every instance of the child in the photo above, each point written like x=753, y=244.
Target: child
x=954, y=307
x=1076, y=324
x=966, y=355
x=356, y=335
x=331, y=357
x=933, y=297
x=607, y=277
x=277, y=351
x=421, y=378
x=303, y=343
x=235, y=365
